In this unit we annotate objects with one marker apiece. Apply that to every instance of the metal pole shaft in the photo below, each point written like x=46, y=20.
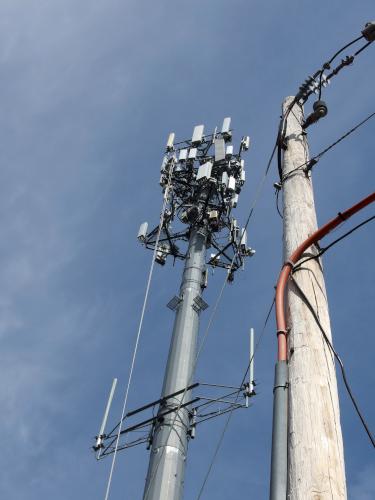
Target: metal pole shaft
x=165, y=477
x=278, y=489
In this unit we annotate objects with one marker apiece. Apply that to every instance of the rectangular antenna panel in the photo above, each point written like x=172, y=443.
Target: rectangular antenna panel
x=199, y=304
x=231, y=183
x=225, y=179
x=173, y=303
x=219, y=149
x=183, y=155
x=234, y=200
x=197, y=134
x=170, y=141
x=142, y=231
x=234, y=230
x=204, y=171
x=229, y=151
x=225, y=129
x=192, y=153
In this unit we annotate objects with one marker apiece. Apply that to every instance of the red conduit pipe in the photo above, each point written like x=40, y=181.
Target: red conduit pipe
x=293, y=259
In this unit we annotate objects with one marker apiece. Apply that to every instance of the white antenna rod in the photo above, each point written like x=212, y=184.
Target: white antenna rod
x=251, y=370
x=105, y=417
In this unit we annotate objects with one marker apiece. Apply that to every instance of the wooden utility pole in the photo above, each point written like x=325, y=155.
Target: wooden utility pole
x=316, y=467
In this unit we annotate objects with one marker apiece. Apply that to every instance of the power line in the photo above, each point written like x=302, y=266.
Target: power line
x=328, y=63
x=324, y=249
x=260, y=186
x=310, y=86
x=314, y=160
x=221, y=437
x=334, y=352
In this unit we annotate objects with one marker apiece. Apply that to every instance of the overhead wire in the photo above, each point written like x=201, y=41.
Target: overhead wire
x=226, y=424
x=322, y=250
x=312, y=162
x=328, y=63
x=305, y=91
x=338, y=359
x=363, y=48
x=165, y=200
x=216, y=306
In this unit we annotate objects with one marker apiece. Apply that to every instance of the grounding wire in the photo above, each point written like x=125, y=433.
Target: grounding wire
x=277, y=195
x=165, y=200
x=317, y=157
x=222, y=434
x=216, y=306
x=334, y=352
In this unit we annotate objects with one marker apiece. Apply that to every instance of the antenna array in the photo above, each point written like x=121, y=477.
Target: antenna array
x=204, y=177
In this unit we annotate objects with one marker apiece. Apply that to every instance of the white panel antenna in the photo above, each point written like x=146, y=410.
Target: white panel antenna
x=225, y=129
x=142, y=232
x=204, y=171
x=245, y=143
x=183, y=155
x=192, y=153
x=197, y=134
x=219, y=150
x=224, y=179
x=229, y=151
x=170, y=141
x=231, y=183
x=234, y=200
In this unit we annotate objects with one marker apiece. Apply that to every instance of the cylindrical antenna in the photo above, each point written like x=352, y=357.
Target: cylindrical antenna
x=99, y=439
x=251, y=370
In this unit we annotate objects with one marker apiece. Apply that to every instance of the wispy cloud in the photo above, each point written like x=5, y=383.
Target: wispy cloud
x=363, y=487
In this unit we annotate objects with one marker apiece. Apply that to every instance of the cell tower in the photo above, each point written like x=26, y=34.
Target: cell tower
x=201, y=180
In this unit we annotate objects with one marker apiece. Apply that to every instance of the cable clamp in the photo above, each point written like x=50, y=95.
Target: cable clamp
x=279, y=332
x=285, y=386
x=289, y=263
x=310, y=165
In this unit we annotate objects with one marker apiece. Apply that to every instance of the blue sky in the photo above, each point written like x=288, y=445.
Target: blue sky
x=89, y=92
